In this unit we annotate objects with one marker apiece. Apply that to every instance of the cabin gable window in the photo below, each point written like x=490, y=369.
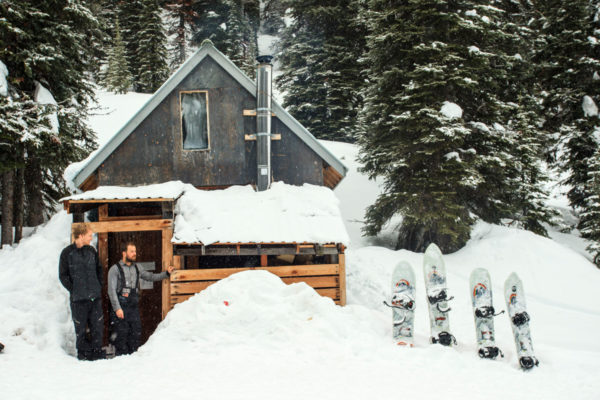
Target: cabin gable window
x=194, y=120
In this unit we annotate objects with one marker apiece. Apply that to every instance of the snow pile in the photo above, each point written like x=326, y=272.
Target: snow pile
x=451, y=110
x=3, y=81
x=167, y=190
x=43, y=96
x=284, y=213
x=256, y=309
x=590, y=109
x=35, y=313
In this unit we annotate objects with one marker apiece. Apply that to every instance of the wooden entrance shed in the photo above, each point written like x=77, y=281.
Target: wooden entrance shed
x=132, y=190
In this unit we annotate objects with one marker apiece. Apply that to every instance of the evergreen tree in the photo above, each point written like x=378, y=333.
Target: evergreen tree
x=232, y=26
x=118, y=78
x=442, y=168
x=181, y=15
x=589, y=224
x=50, y=44
x=568, y=72
x=320, y=74
x=152, y=52
x=130, y=19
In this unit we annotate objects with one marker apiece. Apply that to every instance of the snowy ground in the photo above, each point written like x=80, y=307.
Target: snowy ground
x=285, y=342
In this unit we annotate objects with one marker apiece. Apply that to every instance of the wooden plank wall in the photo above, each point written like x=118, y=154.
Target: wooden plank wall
x=327, y=279
x=153, y=152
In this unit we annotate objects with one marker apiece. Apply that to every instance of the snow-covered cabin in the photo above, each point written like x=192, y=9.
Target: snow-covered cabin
x=178, y=179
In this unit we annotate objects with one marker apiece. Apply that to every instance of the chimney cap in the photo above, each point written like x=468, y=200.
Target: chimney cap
x=264, y=59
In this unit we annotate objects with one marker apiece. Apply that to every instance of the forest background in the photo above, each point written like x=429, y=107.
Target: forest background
x=467, y=110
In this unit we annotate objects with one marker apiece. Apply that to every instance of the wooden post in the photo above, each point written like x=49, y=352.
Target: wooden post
x=342, y=261
x=103, y=212
x=167, y=260
x=263, y=260
x=177, y=262
x=103, y=237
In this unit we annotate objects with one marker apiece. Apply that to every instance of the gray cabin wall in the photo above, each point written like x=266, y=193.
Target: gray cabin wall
x=153, y=152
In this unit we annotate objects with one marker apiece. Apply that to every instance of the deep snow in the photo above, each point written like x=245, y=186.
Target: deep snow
x=276, y=341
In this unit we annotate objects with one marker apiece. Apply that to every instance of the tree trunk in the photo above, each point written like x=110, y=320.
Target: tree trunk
x=33, y=191
x=181, y=38
x=7, y=206
x=19, y=206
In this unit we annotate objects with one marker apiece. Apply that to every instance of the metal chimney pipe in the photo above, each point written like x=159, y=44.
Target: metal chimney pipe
x=263, y=122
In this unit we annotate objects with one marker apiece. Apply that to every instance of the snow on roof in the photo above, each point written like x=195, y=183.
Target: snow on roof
x=168, y=190
x=284, y=213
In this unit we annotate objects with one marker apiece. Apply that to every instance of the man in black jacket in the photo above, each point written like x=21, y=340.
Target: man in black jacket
x=80, y=273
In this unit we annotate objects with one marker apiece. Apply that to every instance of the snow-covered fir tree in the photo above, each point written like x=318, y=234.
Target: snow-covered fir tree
x=151, y=53
x=320, y=73
x=181, y=16
x=47, y=47
x=589, y=224
x=130, y=20
x=118, y=77
x=443, y=119
x=232, y=26
x=569, y=72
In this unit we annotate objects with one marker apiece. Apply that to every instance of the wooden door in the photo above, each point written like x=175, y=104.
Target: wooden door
x=149, y=249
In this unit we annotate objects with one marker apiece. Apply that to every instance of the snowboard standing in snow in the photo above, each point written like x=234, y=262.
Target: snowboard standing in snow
x=519, y=319
x=437, y=296
x=483, y=309
x=403, y=304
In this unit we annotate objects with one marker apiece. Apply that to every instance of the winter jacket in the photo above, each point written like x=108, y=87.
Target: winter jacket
x=132, y=281
x=80, y=272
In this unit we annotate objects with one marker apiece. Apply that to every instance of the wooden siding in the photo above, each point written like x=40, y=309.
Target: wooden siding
x=326, y=279
x=153, y=152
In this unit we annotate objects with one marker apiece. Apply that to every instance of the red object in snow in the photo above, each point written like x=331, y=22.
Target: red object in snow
x=226, y=303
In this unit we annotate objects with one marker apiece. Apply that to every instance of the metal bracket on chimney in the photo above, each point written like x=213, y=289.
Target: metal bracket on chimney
x=252, y=113
x=252, y=136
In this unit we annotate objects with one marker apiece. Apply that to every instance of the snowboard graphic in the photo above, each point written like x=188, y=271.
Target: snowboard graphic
x=519, y=319
x=483, y=310
x=403, y=304
x=437, y=296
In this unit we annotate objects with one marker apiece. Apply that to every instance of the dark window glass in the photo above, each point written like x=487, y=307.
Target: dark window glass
x=194, y=120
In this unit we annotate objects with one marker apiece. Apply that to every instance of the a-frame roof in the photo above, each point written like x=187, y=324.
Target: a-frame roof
x=206, y=50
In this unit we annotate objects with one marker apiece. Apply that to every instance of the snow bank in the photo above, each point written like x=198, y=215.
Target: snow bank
x=256, y=309
x=284, y=213
x=34, y=307
x=251, y=336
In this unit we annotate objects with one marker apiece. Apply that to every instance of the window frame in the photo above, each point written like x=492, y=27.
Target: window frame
x=181, y=93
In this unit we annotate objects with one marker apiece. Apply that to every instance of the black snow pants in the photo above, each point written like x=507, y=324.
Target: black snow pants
x=87, y=314
x=126, y=332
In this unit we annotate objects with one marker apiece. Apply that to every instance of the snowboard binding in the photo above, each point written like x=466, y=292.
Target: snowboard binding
x=486, y=312
x=490, y=352
x=439, y=297
x=444, y=338
x=528, y=362
x=520, y=318
x=402, y=302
